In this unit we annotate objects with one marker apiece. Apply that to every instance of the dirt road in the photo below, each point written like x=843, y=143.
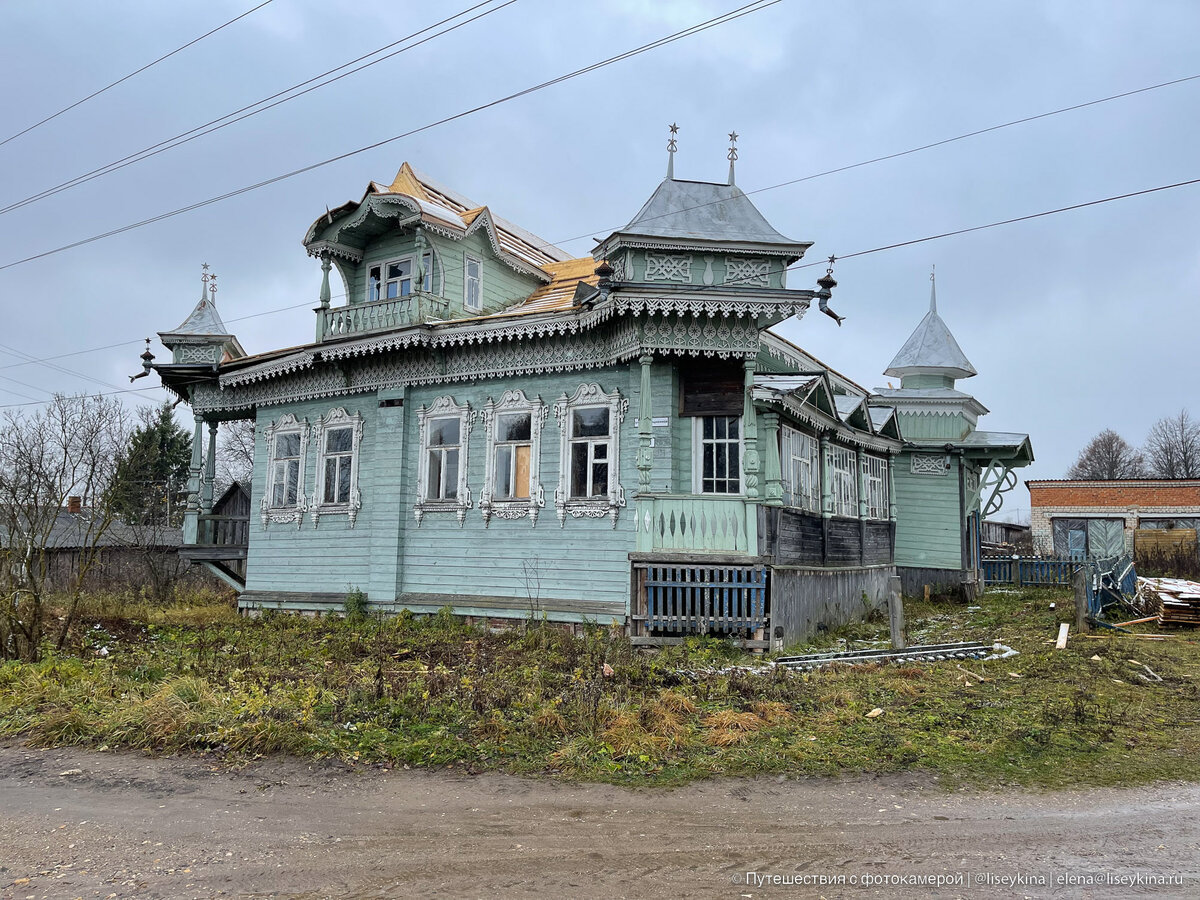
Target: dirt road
x=81, y=824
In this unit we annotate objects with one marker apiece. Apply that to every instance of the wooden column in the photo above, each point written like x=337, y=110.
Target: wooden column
x=191, y=520
x=860, y=462
x=644, y=505
x=772, y=469
x=210, y=470
x=826, y=498
x=326, y=296
x=750, y=462
x=891, y=473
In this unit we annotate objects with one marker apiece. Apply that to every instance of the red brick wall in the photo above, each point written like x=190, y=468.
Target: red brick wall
x=1114, y=494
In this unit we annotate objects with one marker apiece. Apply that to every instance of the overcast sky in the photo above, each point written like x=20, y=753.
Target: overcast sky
x=1076, y=322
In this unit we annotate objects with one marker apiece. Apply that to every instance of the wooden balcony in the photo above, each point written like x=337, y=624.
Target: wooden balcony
x=687, y=523
x=380, y=315
x=219, y=538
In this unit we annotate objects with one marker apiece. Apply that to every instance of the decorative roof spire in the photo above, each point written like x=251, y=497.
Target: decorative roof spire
x=931, y=349
x=671, y=148
x=933, y=289
x=732, y=154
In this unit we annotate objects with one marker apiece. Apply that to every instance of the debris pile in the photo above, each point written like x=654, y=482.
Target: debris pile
x=1175, y=600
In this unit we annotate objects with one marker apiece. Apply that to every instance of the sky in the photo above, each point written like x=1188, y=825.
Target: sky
x=1076, y=322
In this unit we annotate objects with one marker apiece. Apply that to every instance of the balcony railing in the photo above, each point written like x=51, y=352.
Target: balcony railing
x=695, y=524
x=223, y=531
x=381, y=315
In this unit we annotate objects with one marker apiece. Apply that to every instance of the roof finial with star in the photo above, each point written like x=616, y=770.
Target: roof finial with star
x=671, y=148
x=732, y=155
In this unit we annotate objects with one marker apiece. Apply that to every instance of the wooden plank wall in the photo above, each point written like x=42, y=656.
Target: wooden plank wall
x=803, y=599
x=929, y=524
x=942, y=581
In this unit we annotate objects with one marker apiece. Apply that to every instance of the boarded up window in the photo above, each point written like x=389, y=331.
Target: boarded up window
x=1106, y=537
x=712, y=388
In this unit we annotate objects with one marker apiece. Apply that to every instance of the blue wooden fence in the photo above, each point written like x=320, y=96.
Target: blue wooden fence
x=697, y=599
x=1029, y=571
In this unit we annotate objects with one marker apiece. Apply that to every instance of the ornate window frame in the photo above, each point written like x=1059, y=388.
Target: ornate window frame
x=287, y=424
x=335, y=419
x=443, y=408
x=699, y=442
x=513, y=401
x=590, y=395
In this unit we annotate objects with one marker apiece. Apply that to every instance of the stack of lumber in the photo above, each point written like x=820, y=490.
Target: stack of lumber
x=1177, y=600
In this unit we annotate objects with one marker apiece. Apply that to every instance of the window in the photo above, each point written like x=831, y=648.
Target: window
x=338, y=436
x=589, y=452
x=472, y=283
x=843, y=480
x=878, y=500
x=800, y=455
x=397, y=278
x=719, y=464
x=589, y=474
x=284, y=500
x=444, y=428
x=512, y=487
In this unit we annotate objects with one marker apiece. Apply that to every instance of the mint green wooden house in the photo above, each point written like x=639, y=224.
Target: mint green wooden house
x=950, y=476
x=490, y=425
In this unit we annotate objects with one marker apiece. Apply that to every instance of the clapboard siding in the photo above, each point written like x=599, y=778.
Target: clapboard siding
x=877, y=549
x=801, y=538
x=929, y=519
x=583, y=559
x=843, y=542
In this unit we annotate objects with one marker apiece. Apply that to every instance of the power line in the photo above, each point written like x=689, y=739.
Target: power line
x=722, y=19
x=249, y=110
x=124, y=78
x=157, y=387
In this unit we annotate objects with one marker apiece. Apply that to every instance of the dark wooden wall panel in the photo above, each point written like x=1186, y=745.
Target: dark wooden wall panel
x=844, y=538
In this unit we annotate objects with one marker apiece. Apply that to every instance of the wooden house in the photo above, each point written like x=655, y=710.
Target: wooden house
x=488, y=424
x=950, y=475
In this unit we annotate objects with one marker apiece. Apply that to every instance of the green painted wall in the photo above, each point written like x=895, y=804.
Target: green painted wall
x=933, y=427
x=928, y=517
x=705, y=263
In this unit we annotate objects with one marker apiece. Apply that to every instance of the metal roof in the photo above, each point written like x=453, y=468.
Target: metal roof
x=931, y=349
x=704, y=211
x=204, y=321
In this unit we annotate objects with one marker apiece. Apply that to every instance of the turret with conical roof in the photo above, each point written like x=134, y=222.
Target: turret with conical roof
x=931, y=356
x=202, y=337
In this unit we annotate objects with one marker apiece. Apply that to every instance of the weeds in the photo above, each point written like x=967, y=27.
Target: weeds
x=433, y=691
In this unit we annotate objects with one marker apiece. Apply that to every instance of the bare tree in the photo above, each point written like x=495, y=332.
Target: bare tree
x=68, y=449
x=235, y=452
x=1108, y=456
x=1173, y=447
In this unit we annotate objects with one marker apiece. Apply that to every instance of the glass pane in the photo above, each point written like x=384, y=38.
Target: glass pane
x=287, y=445
x=722, y=463
x=401, y=269
x=734, y=422
x=343, y=490
x=277, y=490
x=599, y=450
x=340, y=440
x=579, y=472
x=443, y=432
x=599, y=479
x=331, y=470
x=473, y=269
x=590, y=422
x=709, y=468
x=434, y=490
x=450, y=486
x=513, y=427
x=707, y=427
x=734, y=466
x=504, y=472
x=373, y=283
x=293, y=478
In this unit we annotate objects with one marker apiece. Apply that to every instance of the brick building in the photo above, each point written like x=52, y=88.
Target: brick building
x=1099, y=518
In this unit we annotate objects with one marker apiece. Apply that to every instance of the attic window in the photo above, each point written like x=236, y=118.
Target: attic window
x=395, y=279
x=472, y=283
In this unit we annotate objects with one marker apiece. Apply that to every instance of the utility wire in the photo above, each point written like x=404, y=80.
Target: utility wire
x=131, y=74
x=264, y=104
x=797, y=267
x=722, y=19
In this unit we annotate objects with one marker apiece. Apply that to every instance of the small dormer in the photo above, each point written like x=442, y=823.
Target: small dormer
x=414, y=251
x=700, y=234
x=202, y=338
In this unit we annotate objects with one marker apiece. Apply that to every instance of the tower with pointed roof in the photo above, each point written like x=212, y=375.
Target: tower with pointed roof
x=951, y=475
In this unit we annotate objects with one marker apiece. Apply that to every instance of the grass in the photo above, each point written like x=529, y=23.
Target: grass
x=433, y=692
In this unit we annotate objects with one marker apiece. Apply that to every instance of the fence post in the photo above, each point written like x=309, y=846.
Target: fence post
x=1079, y=581
x=896, y=613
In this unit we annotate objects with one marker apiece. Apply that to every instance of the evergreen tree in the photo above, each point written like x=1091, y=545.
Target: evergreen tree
x=149, y=486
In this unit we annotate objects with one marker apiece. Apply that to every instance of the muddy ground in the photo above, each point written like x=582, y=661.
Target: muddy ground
x=83, y=824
